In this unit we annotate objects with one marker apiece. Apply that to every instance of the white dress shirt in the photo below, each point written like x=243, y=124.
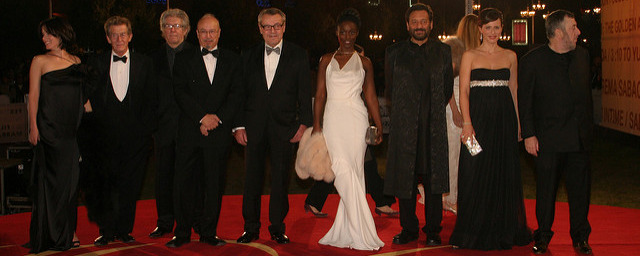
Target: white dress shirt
x=119, y=72
x=210, y=63
x=271, y=63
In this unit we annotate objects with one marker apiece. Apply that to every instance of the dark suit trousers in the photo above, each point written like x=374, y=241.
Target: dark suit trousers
x=280, y=154
x=124, y=180
x=576, y=167
x=198, y=190
x=432, y=208
x=165, y=165
x=374, y=184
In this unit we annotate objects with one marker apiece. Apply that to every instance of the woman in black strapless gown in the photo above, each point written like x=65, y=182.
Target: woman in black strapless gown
x=55, y=108
x=491, y=212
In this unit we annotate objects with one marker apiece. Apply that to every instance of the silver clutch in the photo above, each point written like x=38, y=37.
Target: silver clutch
x=473, y=146
x=372, y=134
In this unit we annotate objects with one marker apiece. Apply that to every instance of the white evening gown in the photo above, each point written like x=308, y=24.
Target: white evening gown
x=450, y=200
x=344, y=128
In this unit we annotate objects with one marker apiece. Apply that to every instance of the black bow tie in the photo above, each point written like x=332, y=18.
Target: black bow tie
x=276, y=50
x=215, y=52
x=116, y=58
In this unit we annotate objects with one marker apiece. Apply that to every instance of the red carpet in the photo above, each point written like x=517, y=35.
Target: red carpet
x=616, y=231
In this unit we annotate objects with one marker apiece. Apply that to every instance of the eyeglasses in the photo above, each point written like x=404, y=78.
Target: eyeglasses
x=176, y=26
x=276, y=26
x=210, y=32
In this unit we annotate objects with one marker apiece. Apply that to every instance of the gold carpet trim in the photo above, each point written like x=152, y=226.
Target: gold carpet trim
x=411, y=251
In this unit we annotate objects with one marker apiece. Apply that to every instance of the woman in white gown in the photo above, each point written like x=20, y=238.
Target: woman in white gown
x=340, y=113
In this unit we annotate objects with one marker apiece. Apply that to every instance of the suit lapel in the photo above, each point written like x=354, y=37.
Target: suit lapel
x=260, y=60
x=134, y=69
x=202, y=69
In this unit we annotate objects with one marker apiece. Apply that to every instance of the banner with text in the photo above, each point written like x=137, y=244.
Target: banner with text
x=621, y=65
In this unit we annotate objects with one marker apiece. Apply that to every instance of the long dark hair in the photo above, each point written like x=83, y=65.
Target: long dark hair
x=59, y=28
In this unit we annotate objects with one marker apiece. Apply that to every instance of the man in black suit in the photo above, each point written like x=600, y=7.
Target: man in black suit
x=174, y=24
x=208, y=89
x=277, y=110
x=124, y=106
x=555, y=106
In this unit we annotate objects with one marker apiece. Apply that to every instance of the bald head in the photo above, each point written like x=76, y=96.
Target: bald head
x=208, y=31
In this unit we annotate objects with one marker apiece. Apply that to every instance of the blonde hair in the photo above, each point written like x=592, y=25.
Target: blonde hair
x=468, y=31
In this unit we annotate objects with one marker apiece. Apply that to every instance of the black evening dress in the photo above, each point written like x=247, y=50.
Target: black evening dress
x=491, y=213
x=53, y=220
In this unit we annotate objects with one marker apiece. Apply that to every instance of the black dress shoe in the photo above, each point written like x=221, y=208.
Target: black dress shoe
x=582, y=247
x=540, y=247
x=125, y=238
x=159, y=232
x=102, y=240
x=390, y=214
x=178, y=241
x=248, y=237
x=404, y=237
x=319, y=214
x=280, y=238
x=434, y=240
x=212, y=240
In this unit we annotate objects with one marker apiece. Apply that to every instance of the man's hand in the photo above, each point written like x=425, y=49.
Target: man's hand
x=87, y=107
x=204, y=130
x=531, y=145
x=210, y=121
x=298, y=134
x=241, y=136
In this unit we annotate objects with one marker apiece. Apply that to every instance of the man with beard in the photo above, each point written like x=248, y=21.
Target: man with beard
x=555, y=105
x=419, y=79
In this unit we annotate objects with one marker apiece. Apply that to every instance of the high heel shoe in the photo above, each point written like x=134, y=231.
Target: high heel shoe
x=392, y=213
x=318, y=214
x=75, y=244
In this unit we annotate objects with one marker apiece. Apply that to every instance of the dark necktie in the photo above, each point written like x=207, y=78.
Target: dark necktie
x=215, y=52
x=116, y=58
x=270, y=50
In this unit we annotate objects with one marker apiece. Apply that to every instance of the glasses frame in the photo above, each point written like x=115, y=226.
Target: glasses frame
x=277, y=26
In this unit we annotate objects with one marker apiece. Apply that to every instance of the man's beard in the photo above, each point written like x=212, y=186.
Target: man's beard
x=569, y=41
x=419, y=38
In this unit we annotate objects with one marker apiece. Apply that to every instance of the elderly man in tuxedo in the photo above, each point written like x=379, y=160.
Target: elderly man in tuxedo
x=174, y=24
x=277, y=110
x=208, y=89
x=124, y=104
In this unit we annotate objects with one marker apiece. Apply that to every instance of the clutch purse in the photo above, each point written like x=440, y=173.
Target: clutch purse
x=372, y=134
x=473, y=146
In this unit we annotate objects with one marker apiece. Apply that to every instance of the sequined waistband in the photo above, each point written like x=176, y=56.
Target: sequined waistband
x=489, y=83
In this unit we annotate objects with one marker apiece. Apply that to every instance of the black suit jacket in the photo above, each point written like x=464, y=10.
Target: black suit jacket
x=168, y=110
x=141, y=94
x=284, y=106
x=196, y=96
x=554, y=99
